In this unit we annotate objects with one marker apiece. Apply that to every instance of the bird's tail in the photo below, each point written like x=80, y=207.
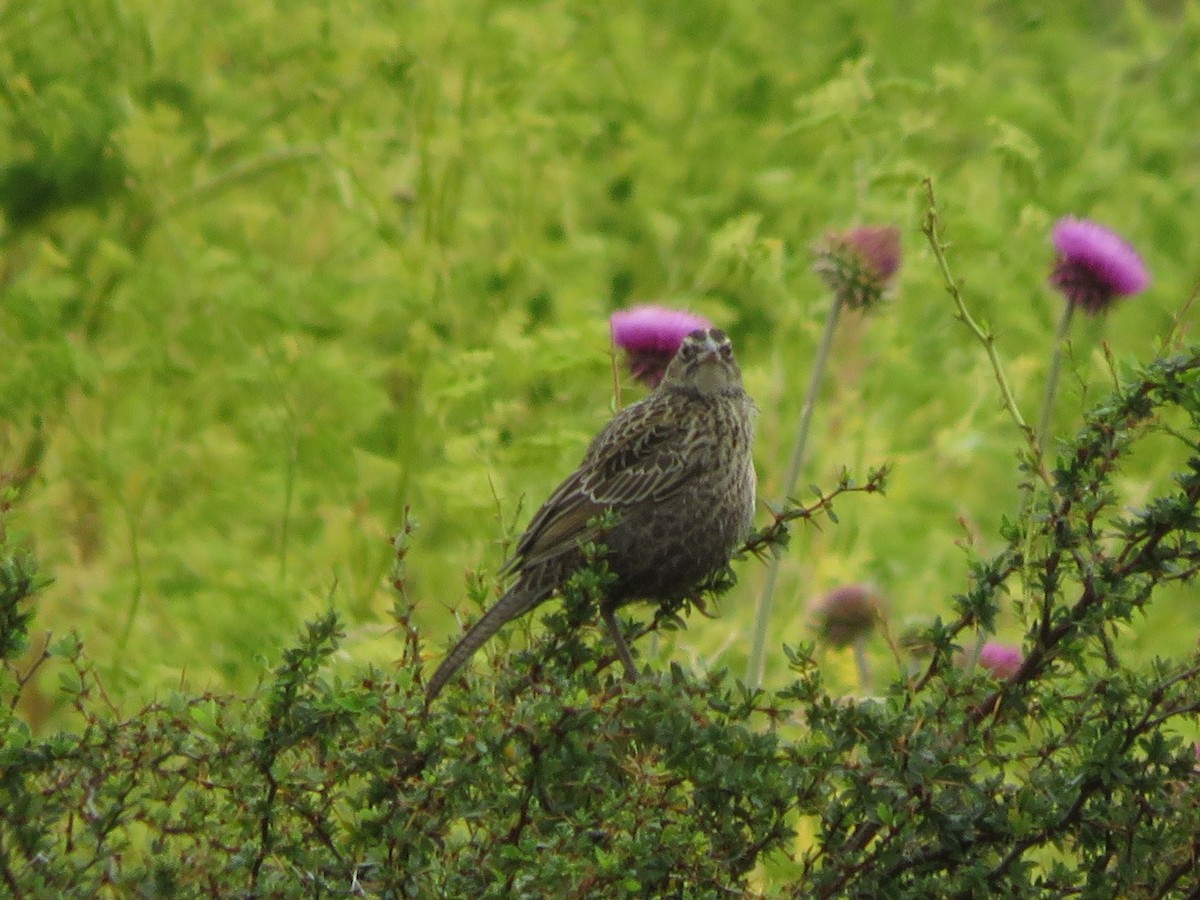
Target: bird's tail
x=516, y=602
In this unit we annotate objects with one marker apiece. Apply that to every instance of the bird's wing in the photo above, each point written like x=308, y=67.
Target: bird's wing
x=645, y=464
x=633, y=460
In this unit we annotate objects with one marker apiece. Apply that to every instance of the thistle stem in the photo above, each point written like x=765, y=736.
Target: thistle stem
x=762, y=616
x=862, y=664
x=1052, y=377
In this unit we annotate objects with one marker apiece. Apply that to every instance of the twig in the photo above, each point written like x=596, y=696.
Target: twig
x=933, y=232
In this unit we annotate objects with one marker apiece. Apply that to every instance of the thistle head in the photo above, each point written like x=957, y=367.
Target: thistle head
x=859, y=264
x=704, y=364
x=650, y=335
x=1094, y=266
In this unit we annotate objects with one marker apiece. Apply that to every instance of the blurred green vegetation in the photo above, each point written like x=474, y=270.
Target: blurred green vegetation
x=270, y=273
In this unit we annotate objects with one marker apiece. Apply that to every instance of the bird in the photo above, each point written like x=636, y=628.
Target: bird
x=666, y=491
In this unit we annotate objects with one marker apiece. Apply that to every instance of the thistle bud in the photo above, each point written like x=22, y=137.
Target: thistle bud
x=859, y=264
x=1002, y=660
x=847, y=613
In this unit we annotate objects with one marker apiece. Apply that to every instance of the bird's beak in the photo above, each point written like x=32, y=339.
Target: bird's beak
x=710, y=351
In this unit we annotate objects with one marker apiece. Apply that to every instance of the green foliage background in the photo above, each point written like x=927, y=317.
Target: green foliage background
x=272, y=272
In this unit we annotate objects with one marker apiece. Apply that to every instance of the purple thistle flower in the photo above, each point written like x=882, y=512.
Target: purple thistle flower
x=847, y=613
x=1002, y=660
x=650, y=335
x=1094, y=265
x=859, y=264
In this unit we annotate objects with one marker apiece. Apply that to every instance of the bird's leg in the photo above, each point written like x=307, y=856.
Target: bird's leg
x=614, y=628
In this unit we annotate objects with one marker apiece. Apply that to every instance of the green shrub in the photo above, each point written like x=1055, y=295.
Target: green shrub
x=550, y=776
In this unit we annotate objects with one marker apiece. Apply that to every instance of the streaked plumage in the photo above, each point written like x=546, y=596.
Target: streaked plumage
x=677, y=470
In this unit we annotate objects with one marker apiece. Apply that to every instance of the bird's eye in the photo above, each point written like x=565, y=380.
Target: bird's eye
x=726, y=351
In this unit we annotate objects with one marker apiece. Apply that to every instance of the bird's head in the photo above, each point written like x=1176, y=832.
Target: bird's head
x=704, y=363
